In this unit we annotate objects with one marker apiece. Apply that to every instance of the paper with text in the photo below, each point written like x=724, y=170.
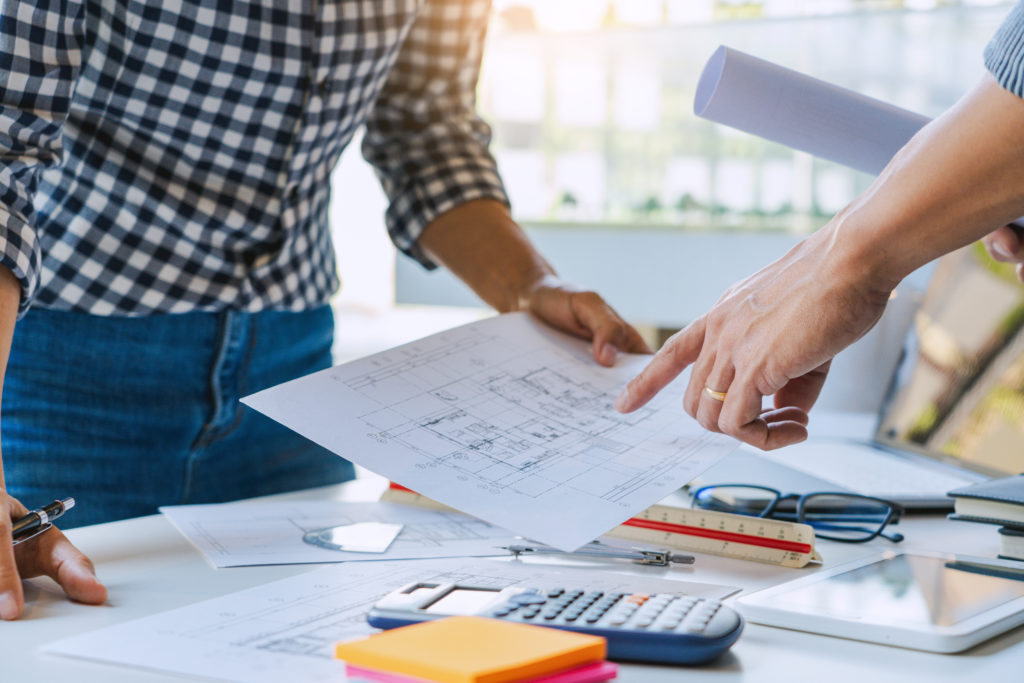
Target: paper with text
x=260, y=533
x=285, y=630
x=507, y=420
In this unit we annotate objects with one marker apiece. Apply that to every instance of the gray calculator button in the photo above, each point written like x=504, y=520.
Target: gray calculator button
x=529, y=599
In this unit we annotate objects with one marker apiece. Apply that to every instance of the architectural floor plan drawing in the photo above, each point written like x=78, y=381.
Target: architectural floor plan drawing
x=507, y=420
x=285, y=630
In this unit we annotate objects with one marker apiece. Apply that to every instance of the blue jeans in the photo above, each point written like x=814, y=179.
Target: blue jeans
x=127, y=414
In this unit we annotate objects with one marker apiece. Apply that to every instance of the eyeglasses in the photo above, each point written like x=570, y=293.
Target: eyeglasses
x=845, y=517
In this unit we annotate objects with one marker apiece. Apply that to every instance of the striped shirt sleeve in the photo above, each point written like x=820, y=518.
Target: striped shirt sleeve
x=424, y=137
x=1004, y=55
x=40, y=56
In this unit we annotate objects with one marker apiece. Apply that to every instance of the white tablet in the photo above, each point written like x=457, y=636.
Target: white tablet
x=941, y=603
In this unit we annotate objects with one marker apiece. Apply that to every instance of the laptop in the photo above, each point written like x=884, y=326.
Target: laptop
x=953, y=414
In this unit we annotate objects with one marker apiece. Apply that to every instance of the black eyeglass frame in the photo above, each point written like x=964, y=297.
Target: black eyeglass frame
x=892, y=517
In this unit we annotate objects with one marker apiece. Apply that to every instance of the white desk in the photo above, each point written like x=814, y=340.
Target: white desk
x=149, y=567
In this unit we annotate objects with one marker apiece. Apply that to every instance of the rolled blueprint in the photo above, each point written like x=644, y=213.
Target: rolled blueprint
x=805, y=113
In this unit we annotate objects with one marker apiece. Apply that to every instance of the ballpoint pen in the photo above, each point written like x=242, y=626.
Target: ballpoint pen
x=39, y=520
x=657, y=558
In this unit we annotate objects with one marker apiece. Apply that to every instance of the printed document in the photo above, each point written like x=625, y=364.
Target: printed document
x=285, y=630
x=507, y=420
x=246, y=534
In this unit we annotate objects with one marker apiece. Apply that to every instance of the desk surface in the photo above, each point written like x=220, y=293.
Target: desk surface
x=149, y=567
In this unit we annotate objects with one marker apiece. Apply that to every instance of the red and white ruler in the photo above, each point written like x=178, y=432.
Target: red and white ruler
x=787, y=544
x=719, y=533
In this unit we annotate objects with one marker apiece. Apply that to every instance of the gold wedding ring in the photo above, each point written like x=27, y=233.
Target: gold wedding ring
x=717, y=395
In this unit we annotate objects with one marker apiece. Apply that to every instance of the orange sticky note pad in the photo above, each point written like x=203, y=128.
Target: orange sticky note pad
x=473, y=650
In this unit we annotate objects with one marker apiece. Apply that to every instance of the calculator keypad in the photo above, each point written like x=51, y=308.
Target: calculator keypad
x=661, y=612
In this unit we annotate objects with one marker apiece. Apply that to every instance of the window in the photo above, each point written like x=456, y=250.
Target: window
x=591, y=102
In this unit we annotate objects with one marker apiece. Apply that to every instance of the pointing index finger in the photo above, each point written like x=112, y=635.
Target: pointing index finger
x=678, y=352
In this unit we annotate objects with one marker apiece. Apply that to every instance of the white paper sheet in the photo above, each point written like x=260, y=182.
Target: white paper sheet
x=245, y=534
x=805, y=113
x=508, y=421
x=284, y=631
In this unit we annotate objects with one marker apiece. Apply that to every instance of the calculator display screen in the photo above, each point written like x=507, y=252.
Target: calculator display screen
x=463, y=601
x=907, y=589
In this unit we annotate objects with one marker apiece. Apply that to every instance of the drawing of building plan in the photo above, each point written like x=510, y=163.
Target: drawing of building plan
x=259, y=533
x=508, y=421
x=285, y=630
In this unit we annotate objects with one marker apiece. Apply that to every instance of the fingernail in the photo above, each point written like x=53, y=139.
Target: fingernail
x=622, y=400
x=608, y=353
x=8, y=606
x=1001, y=252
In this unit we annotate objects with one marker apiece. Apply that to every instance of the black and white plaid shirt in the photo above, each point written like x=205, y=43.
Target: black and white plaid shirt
x=162, y=156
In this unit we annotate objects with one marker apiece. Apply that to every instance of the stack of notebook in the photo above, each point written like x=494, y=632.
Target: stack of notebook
x=999, y=502
x=476, y=650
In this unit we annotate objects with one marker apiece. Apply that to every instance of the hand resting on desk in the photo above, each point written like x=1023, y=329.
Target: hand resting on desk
x=49, y=554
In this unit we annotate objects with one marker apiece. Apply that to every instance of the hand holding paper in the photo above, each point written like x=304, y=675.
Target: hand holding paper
x=506, y=420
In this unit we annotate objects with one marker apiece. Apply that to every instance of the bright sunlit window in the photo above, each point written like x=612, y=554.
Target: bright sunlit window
x=590, y=101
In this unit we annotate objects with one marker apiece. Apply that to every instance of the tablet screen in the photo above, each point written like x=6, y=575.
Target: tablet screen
x=905, y=589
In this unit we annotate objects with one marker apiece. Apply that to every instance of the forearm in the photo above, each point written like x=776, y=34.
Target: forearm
x=10, y=296
x=958, y=179
x=481, y=244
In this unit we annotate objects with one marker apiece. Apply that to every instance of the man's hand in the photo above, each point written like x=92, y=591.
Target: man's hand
x=1007, y=245
x=585, y=314
x=773, y=333
x=486, y=249
x=50, y=554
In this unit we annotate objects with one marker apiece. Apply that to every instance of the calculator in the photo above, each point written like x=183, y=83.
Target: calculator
x=664, y=628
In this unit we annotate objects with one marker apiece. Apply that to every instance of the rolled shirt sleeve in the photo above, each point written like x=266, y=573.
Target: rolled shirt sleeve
x=40, y=55
x=424, y=137
x=1004, y=55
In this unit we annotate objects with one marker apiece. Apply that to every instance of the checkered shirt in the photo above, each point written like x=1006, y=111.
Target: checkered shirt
x=163, y=156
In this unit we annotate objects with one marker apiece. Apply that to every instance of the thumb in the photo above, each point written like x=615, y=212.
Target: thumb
x=53, y=555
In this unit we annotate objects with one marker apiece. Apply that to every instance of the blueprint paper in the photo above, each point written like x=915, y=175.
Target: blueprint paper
x=507, y=420
x=285, y=630
x=258, y=533
x=805, y=113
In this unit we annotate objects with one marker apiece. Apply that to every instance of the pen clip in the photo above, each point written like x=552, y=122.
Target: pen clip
x=654, y=558
x=44, y=528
